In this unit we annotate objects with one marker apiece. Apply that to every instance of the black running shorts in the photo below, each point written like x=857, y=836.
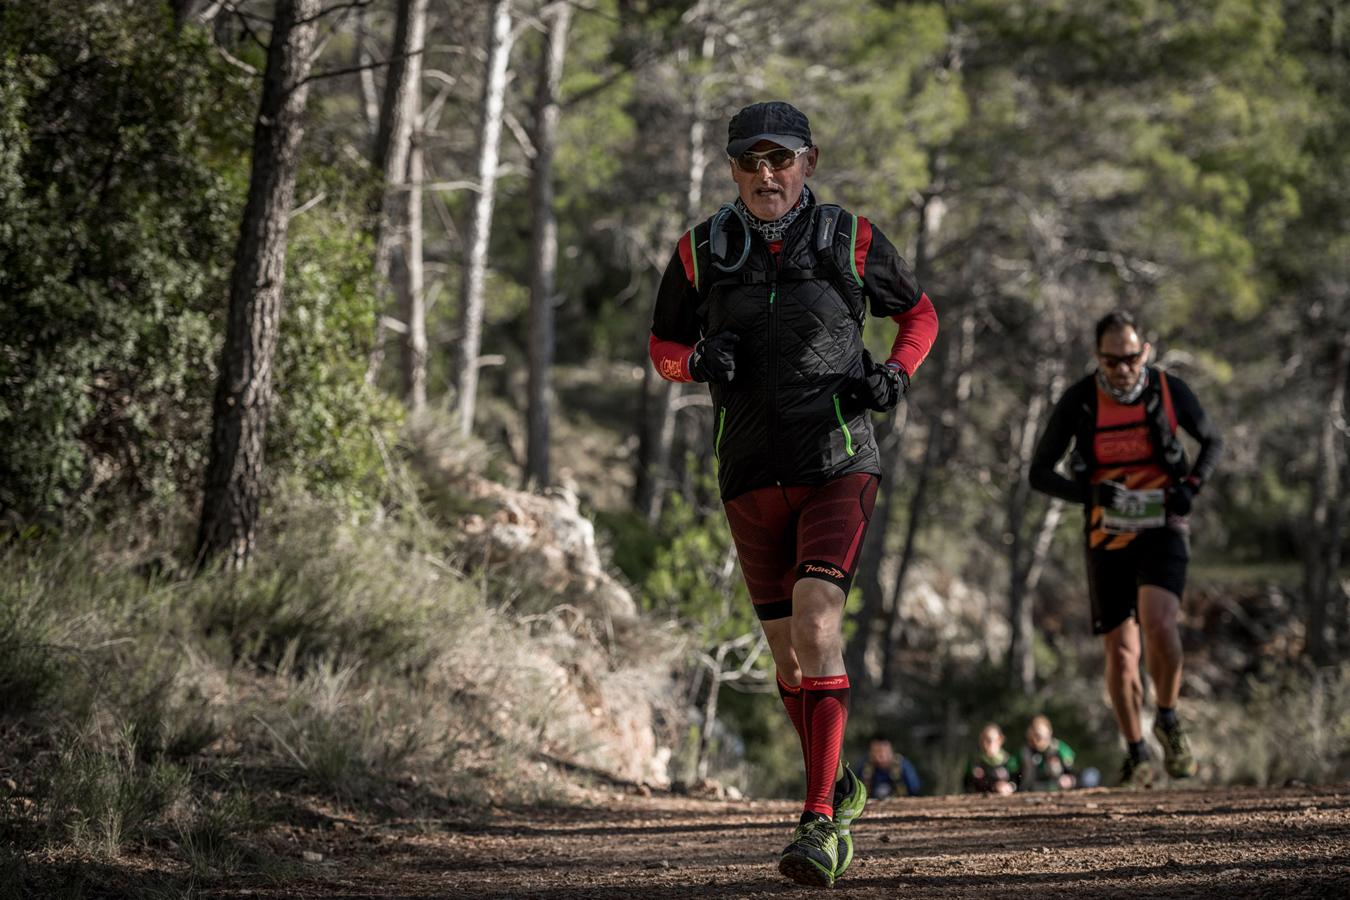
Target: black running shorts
x=1157, y=557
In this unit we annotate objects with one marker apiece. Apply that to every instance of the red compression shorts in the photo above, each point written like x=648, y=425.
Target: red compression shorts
x=784, y=534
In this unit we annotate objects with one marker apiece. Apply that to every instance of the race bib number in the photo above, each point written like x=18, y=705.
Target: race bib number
x=1135, y=511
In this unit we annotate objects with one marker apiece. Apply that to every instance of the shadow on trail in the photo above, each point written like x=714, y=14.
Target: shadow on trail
x=1215, y=879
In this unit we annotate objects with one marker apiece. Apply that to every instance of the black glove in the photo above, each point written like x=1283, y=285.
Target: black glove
x=1180, y=497
x=883, y=385
x=714, y=358
x=1106, y=494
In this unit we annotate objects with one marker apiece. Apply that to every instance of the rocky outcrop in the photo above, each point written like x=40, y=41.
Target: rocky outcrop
x=546, y=539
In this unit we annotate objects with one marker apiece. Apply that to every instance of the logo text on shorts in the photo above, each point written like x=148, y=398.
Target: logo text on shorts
x=828, y=571
x=830, y=683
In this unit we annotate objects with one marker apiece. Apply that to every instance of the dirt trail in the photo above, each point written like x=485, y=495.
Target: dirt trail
x=1280, y=843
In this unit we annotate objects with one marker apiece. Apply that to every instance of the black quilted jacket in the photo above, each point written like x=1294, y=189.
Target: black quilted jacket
x=789, y=416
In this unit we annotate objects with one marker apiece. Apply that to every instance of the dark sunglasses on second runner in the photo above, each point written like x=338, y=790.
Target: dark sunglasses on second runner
x=778, y=158
x=1110, y=360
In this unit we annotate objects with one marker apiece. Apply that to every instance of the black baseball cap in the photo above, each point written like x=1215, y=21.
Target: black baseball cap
x=776, y=121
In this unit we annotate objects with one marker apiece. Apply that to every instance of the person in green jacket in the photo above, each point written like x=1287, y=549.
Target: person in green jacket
x=993, y=770
x=1047, y=763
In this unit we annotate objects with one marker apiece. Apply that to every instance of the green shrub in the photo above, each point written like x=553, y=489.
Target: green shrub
x=323, y=588
x=344, y=736
x=101, y=800
x=1293, y=725
x=211, y=840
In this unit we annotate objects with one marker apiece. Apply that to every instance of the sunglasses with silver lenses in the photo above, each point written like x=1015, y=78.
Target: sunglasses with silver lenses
x=778, y=158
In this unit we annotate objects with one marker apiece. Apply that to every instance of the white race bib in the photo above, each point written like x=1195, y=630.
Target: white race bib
x=1135, y=511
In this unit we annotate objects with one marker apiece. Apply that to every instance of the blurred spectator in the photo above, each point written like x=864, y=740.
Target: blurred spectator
x=994, y=769
x=885, y=772
x=1047, y=762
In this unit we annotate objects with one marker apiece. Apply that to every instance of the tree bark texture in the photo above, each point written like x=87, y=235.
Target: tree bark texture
x=393, y=139
x=1021, y=659
x=544, y=255
x=413, y=293
x=370, y=102
x=475, y=269
x=1326, y=518
x=182, y=11
x=234, y=473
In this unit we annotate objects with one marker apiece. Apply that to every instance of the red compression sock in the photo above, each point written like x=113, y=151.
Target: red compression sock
x=825, y=710
x=792, y=702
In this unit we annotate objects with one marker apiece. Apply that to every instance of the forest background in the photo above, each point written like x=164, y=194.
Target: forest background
x=284, y=287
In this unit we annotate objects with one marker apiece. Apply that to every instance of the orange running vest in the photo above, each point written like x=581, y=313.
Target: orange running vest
x=1123, y=452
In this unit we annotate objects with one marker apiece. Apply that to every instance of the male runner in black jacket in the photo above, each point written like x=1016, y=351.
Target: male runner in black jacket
x=765, y=302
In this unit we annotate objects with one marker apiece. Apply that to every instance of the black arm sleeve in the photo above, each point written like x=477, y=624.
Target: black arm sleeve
x=1059, y=433
x=887, y=279
x=676, y=315
x=1191, y=416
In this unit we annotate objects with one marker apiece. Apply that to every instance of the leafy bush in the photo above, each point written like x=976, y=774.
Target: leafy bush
x=122, y=179
x=120, y=217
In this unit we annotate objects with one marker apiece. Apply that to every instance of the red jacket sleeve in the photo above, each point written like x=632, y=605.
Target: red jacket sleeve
x=915, y=337
x=671, y=358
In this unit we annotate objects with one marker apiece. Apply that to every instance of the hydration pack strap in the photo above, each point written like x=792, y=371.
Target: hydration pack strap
x=829, y=219
x=719, y=239
x=1168, y=447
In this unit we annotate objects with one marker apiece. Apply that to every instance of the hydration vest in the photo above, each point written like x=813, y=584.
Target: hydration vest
x=791, y=416
x=726, y=247
x=1134, y=444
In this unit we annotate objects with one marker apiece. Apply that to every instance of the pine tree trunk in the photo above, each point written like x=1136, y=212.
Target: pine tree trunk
x=182, y=11
x=370, y=101
x=942, y=436
x=475, y=269
x=709, y=714
x=234, y=474
x=931, y=213
x=393, y=141
x=544, y=255
x=413, y=292
x=668, y=395
x=1021, y=659
x=1326, y=519
x=917, y=504
x=1026, y=557
x=869, y=568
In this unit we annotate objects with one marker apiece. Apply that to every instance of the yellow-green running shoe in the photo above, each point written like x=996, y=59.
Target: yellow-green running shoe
x=1177, y=757
x=813, y=854
x=850, y=798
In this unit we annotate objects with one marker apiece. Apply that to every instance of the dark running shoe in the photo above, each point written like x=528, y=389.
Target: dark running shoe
x=850, y=798
x=1177, y=757
x=1136, y=774
x=811, y=857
